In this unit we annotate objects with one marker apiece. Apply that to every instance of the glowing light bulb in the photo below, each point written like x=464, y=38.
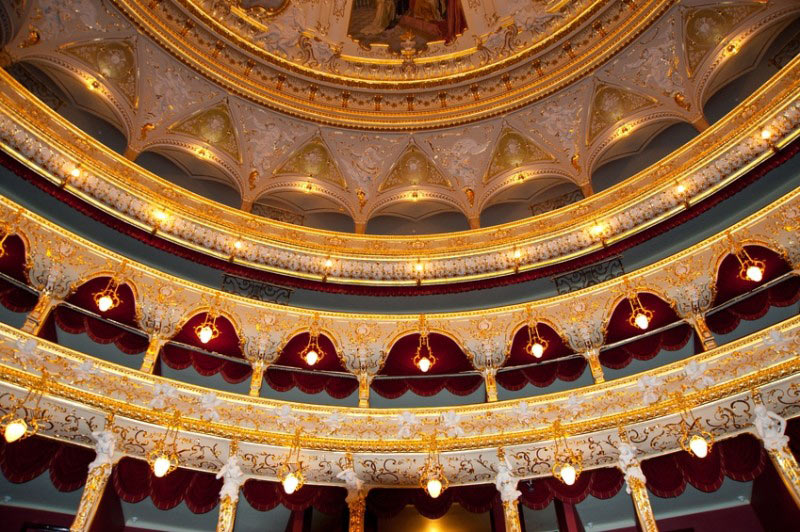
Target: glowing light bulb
x=105, y=303
x=418, y=266
x=238, y=244
x=290, y=483
x=75, y=172
x=642, y=321
x=424, y=364
x=680, y=189
x=160, y=215
x=517, y=254
x=537, y=350
x=568, y=475
x=328, y=263
x=766, y=133
x=15, y=430
x=205, y=334
x=434, y=487
x=312, y=357
x=754, y=273
x=161, y=466
x=699, y=446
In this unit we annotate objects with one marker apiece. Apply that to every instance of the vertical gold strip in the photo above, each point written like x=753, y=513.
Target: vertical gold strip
x=227, y=514
x=37, y=317
x=698, y=321
x=357, y=505
x=593, y=357
x=363, y=390
x=641, y=501
x=151, y=355
x=90, y=498
x=787, y=467
x=511, y=514
x=257, y=378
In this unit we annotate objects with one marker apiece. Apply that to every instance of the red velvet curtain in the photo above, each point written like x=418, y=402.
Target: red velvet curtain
x=12, y=263
x=227, y=343
x=542, y=374
x=134, y=481
x=449, y=359
x=264, y=495
x=284, y=380
x=741, y=458
x=26, y=459
x=600, y=483
x=619, y=328
x=730, y=285
x=75, y=322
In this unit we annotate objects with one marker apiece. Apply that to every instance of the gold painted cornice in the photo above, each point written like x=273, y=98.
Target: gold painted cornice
x=122, y=189
x=249, y=71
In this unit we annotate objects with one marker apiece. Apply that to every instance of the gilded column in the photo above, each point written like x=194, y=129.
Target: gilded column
x=506, y=484
x=593, y=357
x=364, y=380
x=636, y=483
x=151, y=355
x=233, y=478
x=357, y=505
x=90, y=498
x=489, y=377
x=257, y=378
x=36, y=318
x=700, y=326
x=99, y=472
x=771, y=430
x=511, y=516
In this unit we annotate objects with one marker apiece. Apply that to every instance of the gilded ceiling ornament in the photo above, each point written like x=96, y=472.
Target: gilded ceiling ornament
x=414, y=168
x=512, y=151
x=213, y=126
x=114, y=60
x=262, y=7
x=313, y=159
x=610, y=105
x=706, y=27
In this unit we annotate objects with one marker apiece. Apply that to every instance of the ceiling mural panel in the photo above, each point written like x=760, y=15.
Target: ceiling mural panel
x=414, y=169
x=114, y=60
x=313, y=160
x=512, y=151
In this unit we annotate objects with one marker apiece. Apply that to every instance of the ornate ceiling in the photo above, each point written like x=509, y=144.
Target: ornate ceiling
x=315, y=119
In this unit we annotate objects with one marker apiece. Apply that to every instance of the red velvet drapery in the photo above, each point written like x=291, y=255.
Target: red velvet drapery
x=283, y=380
x=550, y=369
x=619, y=328
x=264, y=495
x=227, y=343
x=12, y=263
x=449, y=359
x=26, y=459
x=729, y=285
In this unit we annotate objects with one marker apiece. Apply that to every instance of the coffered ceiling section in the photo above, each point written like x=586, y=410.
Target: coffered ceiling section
x=540, y=91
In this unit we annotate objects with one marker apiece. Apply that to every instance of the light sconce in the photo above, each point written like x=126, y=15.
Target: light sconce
x=291, y=472
x=536, y=345
x=432, y=478
x=313, y=353
x=640, y=316
x=207, y=330
x=750, y=269
x=567, y=464
x=6, y=234
x=17, y=427
x=424, y=358
x=694, y=440
x=163, y=459
x=108, y=298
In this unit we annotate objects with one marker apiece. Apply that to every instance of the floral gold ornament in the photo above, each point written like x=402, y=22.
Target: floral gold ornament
x=163, y=459
x=750, y=269
x=313, y=353
x=291, y=471
x=567, y=463
x=432, y=478
x=424, y=358
x=16, y=426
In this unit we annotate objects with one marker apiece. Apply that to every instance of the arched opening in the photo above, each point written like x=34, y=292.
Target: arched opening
x=304, y=207
x=556, y=360
x=528, y=198
x=416, y=217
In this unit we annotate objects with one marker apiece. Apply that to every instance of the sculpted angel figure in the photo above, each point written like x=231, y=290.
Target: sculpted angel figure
x=771, y=428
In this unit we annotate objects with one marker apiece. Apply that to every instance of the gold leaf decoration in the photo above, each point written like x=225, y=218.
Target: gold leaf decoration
x=413, y=168
x=115, y=61
x=612, y=104
x=512, y=151
x=707, y=26
x=213, y=126
x=314, y=160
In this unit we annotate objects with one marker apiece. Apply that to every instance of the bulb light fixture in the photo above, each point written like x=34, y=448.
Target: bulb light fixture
x=750, y=269
x=163, y=458
x=567, y=464
x=694, y=440
x=290, y=473
x=313, y=353
x=536, y=345
x=20, y=421
x=207, y=330
x=108, y=298
x=432, y=478
x=424, y=358
x=640, y=315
